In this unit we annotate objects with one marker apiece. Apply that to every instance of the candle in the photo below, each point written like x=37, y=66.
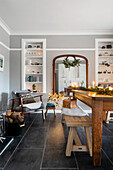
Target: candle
x=73, y=84
x=100, y=87
x=89, y=94
x=110, y=88
x=94, y=94
x=93, y=83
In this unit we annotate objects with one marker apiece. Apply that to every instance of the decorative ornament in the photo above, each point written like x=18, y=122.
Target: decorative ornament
x=68, y=63
x=56, y=99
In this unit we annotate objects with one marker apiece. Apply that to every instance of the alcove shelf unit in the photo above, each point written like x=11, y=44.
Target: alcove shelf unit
x=33, y=71
x=104, y=62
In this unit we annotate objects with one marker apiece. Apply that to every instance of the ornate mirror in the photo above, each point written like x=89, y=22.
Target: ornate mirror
x=69, y=69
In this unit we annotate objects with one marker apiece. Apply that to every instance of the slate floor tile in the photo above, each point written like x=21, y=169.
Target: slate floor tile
x=35, y=138
x=55, y=158
x=85, y=162
x=8, y=152
x=28, y=155
x=40, y=123
x=30, y=117
x=106, y=132
x=96, y=168
x=25, y=159
x=61, y=169
x=56, y=135
x=109, y=126
x=53, y=119
x=82, y=135
x=107, y=146
x=59, y=128
x=25, y=128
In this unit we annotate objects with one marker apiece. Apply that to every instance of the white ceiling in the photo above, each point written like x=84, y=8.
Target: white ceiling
x=57, y=16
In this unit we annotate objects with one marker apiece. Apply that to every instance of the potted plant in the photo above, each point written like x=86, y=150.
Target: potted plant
x=34, y=87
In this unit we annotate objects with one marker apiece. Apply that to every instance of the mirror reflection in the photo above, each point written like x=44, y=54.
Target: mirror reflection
x=67, y=76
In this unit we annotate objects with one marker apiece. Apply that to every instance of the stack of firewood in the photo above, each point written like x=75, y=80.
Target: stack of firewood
x=14, y=117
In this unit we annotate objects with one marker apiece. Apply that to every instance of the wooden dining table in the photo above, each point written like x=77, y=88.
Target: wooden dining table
x=99, y=104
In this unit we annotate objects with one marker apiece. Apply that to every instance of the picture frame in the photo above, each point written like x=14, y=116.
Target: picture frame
x=1, y=62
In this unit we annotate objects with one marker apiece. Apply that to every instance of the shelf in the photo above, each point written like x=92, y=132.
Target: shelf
x=34, y=73
x=105, y=82
x=34, y=65
x=105, y=74
x=32, y=49
x=105, y=49
x=33, y=82
x=105, y=56
x=33, y=57
x=105, y=66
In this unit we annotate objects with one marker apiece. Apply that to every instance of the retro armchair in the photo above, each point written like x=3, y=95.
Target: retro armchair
x=27, y=102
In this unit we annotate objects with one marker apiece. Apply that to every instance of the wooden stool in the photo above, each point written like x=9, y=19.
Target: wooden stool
x=73, y=122
x=50, y=108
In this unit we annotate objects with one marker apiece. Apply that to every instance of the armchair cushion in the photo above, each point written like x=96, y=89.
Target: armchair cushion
x=29, y=99
x=50, y=105
x=18, y=94
x=34, y=106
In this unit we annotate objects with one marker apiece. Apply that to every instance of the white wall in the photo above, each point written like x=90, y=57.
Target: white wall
x=4, y=76
x=10, y=78
x=53, y=41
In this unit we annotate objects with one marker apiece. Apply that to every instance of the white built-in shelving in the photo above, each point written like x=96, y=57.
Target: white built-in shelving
x=104, y=62
x=34, y=64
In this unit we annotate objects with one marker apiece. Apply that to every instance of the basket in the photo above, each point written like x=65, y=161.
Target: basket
x=13, y=129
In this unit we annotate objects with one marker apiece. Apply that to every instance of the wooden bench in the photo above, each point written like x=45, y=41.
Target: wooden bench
x=78, y=121
x=84, y=107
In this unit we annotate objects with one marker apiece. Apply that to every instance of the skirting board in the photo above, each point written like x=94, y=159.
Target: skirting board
x=5, y=144
x=51, y=111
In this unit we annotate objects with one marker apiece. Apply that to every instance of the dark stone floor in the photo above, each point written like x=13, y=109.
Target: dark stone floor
x=42, y=147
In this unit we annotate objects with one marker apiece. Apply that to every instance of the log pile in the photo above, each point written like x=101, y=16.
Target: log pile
x=14, y=117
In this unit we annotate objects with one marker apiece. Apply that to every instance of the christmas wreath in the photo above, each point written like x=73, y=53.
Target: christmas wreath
x=68, y=63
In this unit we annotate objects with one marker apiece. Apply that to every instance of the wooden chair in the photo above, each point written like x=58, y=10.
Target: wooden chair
x=28, y=107
x=109, y=117
x=75, y=121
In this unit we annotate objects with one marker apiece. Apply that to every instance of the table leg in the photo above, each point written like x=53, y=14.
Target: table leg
x=97, y=117
x=69, y=142
x=43, y=115
x=104, y=115
x=46, y=113
x=54, y=113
